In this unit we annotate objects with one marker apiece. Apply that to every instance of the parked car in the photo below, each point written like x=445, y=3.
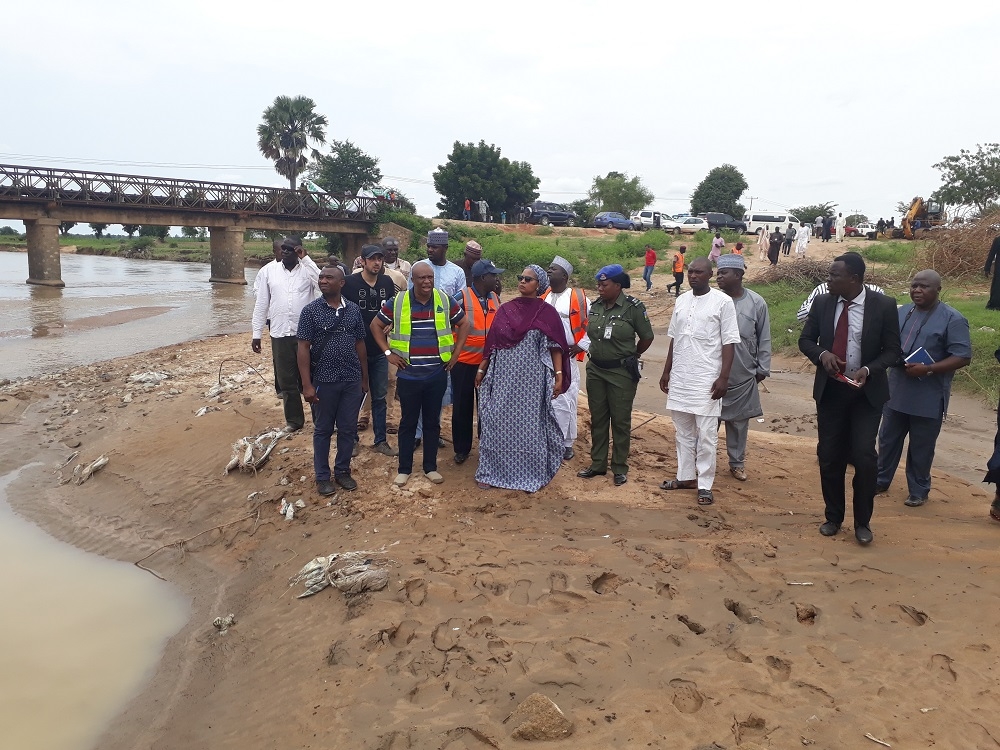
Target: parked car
x=545, y=213
x=866, y=230
x=648, y=218
x=718, y=221
x=692, y=224
x=671, y=225
x=614, y=220
x=852, y=231
x=681, y=216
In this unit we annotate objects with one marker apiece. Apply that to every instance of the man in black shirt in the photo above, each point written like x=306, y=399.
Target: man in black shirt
x=368, y=290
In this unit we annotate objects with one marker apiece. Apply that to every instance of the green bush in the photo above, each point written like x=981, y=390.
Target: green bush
x=544, y=231
x=416, y=224
x=141, y=243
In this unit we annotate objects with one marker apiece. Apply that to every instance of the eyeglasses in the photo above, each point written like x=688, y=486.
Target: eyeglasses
x=526, y=279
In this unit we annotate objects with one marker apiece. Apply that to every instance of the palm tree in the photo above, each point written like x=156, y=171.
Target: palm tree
x=284, y=135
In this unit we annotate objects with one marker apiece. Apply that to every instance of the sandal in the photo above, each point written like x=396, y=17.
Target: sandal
x=674, y=484
x=705, y=497
x=484, y=486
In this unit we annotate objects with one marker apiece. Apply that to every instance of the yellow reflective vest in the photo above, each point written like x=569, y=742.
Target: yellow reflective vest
x=402, y=325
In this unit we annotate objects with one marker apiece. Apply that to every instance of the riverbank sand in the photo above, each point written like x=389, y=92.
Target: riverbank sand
x=649, y=621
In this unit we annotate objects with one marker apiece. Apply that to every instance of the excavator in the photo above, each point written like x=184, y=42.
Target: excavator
x=921, y=215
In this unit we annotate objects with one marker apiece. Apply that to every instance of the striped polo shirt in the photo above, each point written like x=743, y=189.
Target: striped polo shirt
x=425, y=362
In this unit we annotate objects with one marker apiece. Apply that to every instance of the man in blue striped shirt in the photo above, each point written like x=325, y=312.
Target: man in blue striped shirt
x=423, y=353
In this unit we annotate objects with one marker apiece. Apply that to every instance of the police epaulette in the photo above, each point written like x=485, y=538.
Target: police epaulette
x=633, y=301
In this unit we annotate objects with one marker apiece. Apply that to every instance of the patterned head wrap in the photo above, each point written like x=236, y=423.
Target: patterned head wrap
x=543, y=278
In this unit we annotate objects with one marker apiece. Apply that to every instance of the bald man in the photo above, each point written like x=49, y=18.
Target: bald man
x=935, y=341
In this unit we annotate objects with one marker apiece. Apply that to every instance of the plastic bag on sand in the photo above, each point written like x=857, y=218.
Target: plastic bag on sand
x=250, y=453
x=351, y=572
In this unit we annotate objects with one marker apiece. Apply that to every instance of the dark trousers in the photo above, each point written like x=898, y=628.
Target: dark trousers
x=286, y=378
x=378, y=387
x=678, y=281
x=847, y=425
x=463, y=410
x=923, y=432
x=339, y=404
x=420, y=399
x=610, y=394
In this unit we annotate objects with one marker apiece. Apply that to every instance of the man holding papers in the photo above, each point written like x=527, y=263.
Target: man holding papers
x=935, y=342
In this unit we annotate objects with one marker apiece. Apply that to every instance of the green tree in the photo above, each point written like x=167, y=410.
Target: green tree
x=130, y=229
x=854, y=219
x=479, y=172
x=192, y=232
x=159, y=233
x=347, y=169
x=808, y=214
x=586, y=210
x=65, y=226
x=289, y=129
x=98, y=229
x=6, y=231
x=970, y=178
x=616, y=191
x=720, y=191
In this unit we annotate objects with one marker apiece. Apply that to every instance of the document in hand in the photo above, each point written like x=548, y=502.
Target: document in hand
x=919, y=357
x=844, y=379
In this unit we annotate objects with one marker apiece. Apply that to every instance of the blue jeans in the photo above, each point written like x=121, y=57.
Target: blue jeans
x=647, y=276
x=378, y=387
x=420, y=398
x=466, y=215
x=339, y=404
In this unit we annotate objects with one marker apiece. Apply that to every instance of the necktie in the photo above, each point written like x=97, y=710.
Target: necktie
x=840, y=335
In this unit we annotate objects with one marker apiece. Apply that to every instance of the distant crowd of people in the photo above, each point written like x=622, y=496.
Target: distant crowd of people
x=435, y=333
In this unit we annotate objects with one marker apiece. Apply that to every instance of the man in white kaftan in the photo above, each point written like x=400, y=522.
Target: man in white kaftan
x=841, y=225
x=802, y=240
x=703, y=332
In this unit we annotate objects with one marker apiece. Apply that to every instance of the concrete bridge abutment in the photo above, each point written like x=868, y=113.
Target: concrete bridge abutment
x=228, y=256
x=44, y=262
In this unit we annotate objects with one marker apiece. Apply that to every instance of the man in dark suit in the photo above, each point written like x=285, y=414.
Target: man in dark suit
x=852, y=336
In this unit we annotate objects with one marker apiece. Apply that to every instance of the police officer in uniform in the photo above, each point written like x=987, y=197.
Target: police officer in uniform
x=619, y=331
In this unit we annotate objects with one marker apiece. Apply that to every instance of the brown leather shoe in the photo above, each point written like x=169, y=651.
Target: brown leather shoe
x=739, y=473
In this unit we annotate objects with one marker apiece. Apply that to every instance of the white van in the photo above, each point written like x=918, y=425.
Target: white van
x=757, y=221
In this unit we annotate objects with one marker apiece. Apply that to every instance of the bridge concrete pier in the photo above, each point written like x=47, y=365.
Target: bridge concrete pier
x=228, y=256
x=352, y=244
x=44, y=263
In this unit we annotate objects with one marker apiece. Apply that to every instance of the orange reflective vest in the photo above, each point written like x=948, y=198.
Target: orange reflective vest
x=678, y=263
x=579, y=313
x=480, y=321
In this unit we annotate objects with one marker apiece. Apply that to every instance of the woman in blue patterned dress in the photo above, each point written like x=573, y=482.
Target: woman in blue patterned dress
x=521, y=445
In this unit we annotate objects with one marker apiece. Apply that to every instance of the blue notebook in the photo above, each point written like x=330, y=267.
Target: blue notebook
x=920, y=357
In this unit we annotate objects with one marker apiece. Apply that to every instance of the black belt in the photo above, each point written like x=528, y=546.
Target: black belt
x=607, y=364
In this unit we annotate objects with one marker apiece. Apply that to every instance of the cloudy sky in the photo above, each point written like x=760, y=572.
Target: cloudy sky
x=850, y=102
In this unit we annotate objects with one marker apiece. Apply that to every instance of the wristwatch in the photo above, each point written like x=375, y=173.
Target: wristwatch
x=387, y=352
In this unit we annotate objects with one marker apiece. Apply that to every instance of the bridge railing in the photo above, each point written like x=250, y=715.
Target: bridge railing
x=73, y=187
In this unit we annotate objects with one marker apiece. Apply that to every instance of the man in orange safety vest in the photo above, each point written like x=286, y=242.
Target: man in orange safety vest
x=573, y=308
x=480, y=303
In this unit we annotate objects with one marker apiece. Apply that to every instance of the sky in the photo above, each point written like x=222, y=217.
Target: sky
x=851, y=102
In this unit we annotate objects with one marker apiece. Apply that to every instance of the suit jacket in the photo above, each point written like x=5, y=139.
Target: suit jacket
x=880, y=347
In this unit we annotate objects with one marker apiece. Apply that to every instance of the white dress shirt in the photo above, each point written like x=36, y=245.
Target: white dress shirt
x=561, y=302
x=281, y=295
x=855, y=321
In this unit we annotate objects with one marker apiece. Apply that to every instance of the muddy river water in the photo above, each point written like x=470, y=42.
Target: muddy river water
x=82, y=633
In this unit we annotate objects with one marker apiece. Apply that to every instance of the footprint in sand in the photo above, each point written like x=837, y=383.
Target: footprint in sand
x=693, y=626
x=416, y=591
x=742, y=611
x=558, y=581
x=666, y=589
x=686, y=698
x=607, y=583
x=403, y=633
x=520, y=593
x=446, y=634
x=734, y=654
x=610, y=519
x=942, y=663
x=915, y=614
x=780, y=669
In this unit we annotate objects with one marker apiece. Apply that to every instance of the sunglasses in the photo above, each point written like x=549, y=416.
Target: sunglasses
x=526, y=279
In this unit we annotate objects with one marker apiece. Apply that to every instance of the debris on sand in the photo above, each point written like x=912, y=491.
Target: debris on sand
x=222, y=624
x=148, y=378
x=252, y=452
x=84, y=472
x=538, y=718
x=351, y=572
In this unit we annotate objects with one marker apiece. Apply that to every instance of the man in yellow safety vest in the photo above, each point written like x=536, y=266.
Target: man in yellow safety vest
x=428, y=332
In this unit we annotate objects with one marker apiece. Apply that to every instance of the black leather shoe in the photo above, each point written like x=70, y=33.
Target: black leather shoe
x=881, y=489
x=568, y=454
x=863, y=534
x=829, y=528
x=326, y=488
x=620, y=479
x=346, y=481
x=588, y=473
x=460, y=458
x=914, y=502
